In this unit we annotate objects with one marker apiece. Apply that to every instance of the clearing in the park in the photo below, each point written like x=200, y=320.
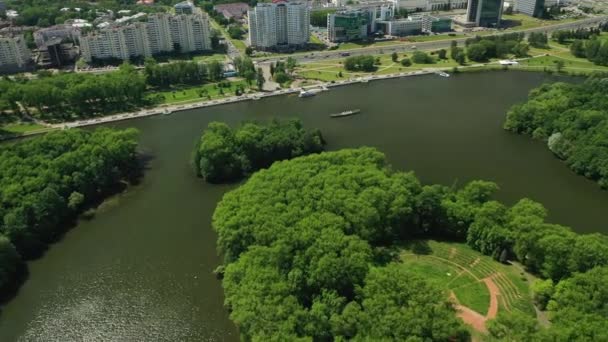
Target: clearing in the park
x=479, y=286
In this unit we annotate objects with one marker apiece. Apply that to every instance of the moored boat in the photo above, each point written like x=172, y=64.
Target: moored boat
x=345, y=113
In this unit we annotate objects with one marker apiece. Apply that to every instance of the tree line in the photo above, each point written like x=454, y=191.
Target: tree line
x=480, y=49
x=573, y=120
x=46, y=181
x=70, y=96
x=224, y=154
x=309, y=247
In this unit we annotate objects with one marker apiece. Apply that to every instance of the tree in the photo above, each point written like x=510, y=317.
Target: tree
x=406, y=62
x=420, y=57
x=477, y=53
x=360, y=63
x=394, y=57
x=559, y=65
x=260, y=80
x=249, y=51
x=442, y=53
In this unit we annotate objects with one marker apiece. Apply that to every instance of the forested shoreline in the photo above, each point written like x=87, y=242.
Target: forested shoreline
x=573, y=120
x=45, y=182
x=309, y=248
x=224, y=154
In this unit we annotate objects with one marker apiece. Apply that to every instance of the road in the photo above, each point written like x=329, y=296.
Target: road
x=431, y=45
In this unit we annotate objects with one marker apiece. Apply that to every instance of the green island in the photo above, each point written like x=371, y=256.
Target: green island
x=314, y=251
x=46, y=182
x=224, y=154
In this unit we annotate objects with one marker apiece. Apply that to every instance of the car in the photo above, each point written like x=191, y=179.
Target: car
x=414, y=47
x=345, y=54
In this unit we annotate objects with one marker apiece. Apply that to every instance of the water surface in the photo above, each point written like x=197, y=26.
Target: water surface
x=141, y=270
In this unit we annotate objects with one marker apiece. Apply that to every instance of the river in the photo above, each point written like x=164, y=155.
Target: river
x=141, y=269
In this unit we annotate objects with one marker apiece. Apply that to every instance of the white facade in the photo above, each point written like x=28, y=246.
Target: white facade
x=14, y=52
x=161, y=33
x=279, y=24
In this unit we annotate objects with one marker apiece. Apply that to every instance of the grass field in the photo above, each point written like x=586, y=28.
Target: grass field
x=329, y=70
x=458, y=269
x=190, y=94
x=20, y=128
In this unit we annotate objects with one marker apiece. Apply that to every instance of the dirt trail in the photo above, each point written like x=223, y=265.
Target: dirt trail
x=474, y=318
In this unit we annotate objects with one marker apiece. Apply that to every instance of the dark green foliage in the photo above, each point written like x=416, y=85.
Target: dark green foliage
x=406, y=62
x=181, y=73
x=360, y=63
x=225, y=155
x=538, y=39
x=481, y=49
x=46, y=180
x=297, y=239
x=573, y=119
x=420, y=57
x=71, y=95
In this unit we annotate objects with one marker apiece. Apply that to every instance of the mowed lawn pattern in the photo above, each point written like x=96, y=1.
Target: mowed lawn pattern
x=460, y=270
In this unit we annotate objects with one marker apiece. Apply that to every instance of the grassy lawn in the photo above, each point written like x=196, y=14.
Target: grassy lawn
x=315, y=40
x=192, y=94
x=240, y=45
x=20, y=128
x=219, y=57
x=329, y=70
x=520, y=21
x=457, y=268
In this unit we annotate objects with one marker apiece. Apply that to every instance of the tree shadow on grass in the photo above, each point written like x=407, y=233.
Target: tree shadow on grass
x=418, y=247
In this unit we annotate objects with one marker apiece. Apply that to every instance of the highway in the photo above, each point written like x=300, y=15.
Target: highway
x=430, y=45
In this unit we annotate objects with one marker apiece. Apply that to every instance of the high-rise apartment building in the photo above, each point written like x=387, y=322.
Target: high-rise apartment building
x=486, y=13
x=161, y=33
x=279, y=24
x=534, y=8
x=14, y=54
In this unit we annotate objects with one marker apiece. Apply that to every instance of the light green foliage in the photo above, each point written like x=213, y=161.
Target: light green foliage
x=542, y=290
x=297, y=239
x=225, y=155
x=360, y=63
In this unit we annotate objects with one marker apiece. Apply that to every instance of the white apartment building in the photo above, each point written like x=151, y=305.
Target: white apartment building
x=279, y=24
x=161, y=33
x=14, y=54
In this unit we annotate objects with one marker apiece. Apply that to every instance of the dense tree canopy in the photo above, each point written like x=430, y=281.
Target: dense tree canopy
x=298, y=239
x=573, y=119
x=303, y=243
x=48, y=180
x=224, y=154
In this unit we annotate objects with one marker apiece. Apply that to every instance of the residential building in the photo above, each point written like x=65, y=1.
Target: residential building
x=14, y=54
x=190, y=32
x=534, y=8
x=486, y=13
x=161, y=33
x=184, y=7
x=55, y=53
x=347, y=25
x=42, y=36
x=235, y=10
x=278, y=25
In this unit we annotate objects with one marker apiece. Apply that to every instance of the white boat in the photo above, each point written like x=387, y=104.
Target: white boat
x=304, y=93
x=345, y=113
x=443, y=74
x=364, y=80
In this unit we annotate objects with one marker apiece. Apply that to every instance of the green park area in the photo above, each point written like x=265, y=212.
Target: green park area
x=199, y=93
x=470, y=278
x=520, y=21
x=334, y=70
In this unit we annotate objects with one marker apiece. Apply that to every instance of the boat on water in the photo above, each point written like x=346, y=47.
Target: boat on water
x=306, y=93
x=443, y=74
x=364, y=80
x=167, y=112
x=345, y=113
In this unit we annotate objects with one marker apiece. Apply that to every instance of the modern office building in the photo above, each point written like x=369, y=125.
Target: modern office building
x=278, y=25
x=401, y=27
x=430, y=5
x=348, y=25
x=534, y=8
x=14, y=54
x=185, y=7
x=161, y=33
x=486, y=13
